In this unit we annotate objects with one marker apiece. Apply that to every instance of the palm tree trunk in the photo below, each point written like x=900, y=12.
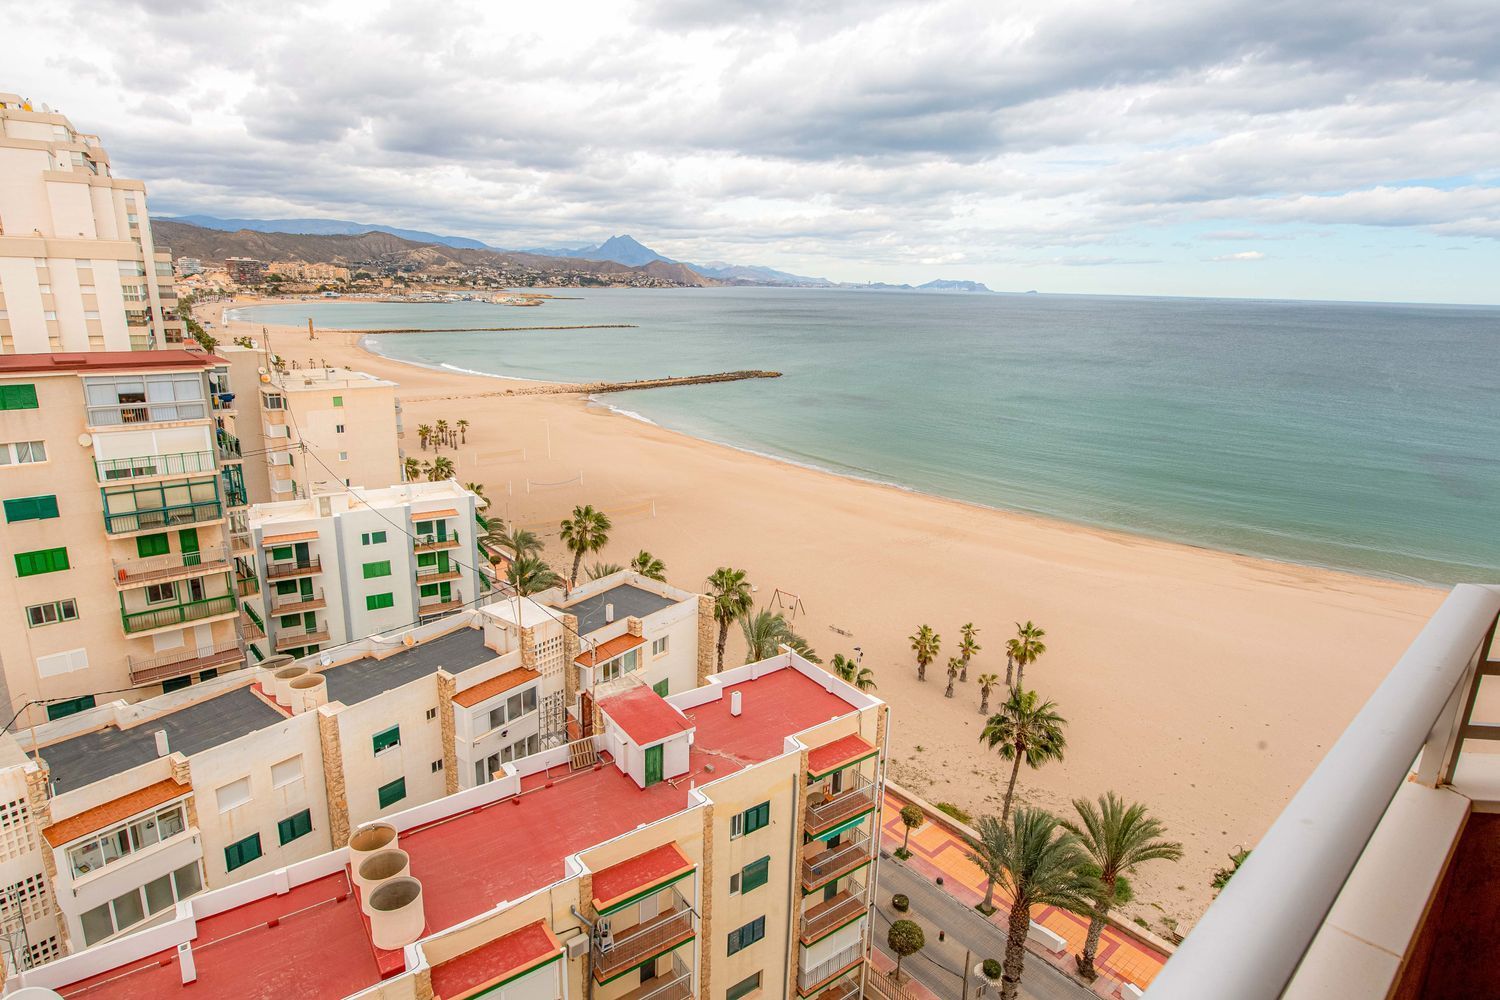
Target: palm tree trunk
x=1010, y=789
x=577, y=561
x=921, y=670
x=1091, y=945
x=988, y=906
x=948, y=692
x=1009, y=665
x=1020, y=670
x=984, y=702
x=963, y=674
x=1015, y=951
x=723, y=638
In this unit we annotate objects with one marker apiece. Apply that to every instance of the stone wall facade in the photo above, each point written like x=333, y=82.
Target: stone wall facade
x=447, y=686
x=707, y=636
x=333, y=773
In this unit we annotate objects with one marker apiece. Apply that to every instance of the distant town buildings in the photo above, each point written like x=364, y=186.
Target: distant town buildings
x=245, y=270
x=189, y=266
x=302, y=271
x=79, y=269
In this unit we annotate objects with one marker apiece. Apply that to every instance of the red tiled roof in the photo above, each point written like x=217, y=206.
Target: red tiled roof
x=470, y=697
x=490, y=964
x=842, y=751
x=114, y=811
x=774, y=707
x=609, y=649
x=644, y=715
x=105, y=361
x=621, y=881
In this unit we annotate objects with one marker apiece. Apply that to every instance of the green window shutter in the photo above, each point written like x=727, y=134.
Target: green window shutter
x=175, y=683
x=374, y=602
x=41, y=561
x=747, y=935
x=755, y=874
x=756, y=817
x=60, y=709
x=290, y=621
x=386, y=739
x=743, y=988
x=293, y=827
x=31, y=508
x=662, y=687
x=375, y=569
x=17, y=397
x=284, y=587
x=338, y=400
x=394, y=792
x=242, y=852
x=377, y=537
x=152, y=545
x=283, y=552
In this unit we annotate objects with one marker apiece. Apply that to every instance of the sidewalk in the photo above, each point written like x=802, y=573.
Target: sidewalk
x=937, y=851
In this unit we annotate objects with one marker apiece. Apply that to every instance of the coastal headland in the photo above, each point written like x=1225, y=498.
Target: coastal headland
x=1203, y=683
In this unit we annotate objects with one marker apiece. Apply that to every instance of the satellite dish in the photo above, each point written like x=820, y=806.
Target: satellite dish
x=325, y=660
x=262, y=371
x=85, y=439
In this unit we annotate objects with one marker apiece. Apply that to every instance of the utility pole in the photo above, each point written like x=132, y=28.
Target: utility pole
x=310, y=334
x=968, y=957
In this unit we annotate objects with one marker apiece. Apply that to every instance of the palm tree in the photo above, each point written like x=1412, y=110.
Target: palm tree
x=601, y=570
x=424, y=434
x=849, y=671
x=442, y=468
x=988, y=853
x=925, y=643
x=967, y=647
x=463, y=431
x=442, y=431
x=478, y=490
x=427, y=469
x=1118, y=838
x=732, y=599
x=987, y=684
x=1024, y=730
x=1042, y=865
x=649, y=566
x=529, y=575
x=1024, y=649
x=954, y=666
x=587, y=531
x=765, y=631
x=411, y=468
x=518, y=541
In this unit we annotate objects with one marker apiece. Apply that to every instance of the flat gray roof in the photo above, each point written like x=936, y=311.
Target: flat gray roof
x=91, y=757
x=628, y=599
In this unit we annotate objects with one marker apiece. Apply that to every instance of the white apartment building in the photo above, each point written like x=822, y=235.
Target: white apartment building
x=343, y=565
x=123, y=526
x=79, y=269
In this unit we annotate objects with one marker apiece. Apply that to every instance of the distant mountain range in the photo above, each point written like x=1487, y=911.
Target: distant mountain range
x=624, y=250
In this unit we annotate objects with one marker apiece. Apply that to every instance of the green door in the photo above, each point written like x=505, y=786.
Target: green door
x=661, y=688
x=653, y=764
x=187, y=541
x=303, y=556
x=830, y=890
x=305, y=588
x=442, y=562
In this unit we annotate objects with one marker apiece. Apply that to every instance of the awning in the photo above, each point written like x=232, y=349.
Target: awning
x=296, y=536
x=621, y=884
x=492, y=965
x=114, y=811
x=841, y=753
x=848, y=824
x=425, y=515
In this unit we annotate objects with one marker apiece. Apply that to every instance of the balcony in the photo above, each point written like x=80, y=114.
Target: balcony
x=300, y=638
x=843, y=909
x=157, y=518
x=295, y=567
x=173, y=566
x=675, y=985
x=825, y=813
x=110, y=470
x=229, y=447
x=812, y=981
x=439, y=606
x=630, y=946
x=834, y=863
x=431, y=543
x=246, y=586
x=239, y=543
x=845, y=989
x=432, y=574
x=171, y=615
x=155, y=669
x=147, y=413
x=286, y=604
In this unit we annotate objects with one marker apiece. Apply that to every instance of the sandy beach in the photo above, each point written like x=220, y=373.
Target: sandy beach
x=1203, y=683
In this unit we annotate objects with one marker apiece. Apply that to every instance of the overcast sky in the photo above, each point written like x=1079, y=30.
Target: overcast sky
x=1277, y=149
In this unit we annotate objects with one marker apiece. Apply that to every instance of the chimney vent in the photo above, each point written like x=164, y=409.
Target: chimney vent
x=734, y=703
x=609, y=613
x=161, y=743
x=186, y=964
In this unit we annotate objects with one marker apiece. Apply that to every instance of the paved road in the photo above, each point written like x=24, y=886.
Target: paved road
x=939, y=965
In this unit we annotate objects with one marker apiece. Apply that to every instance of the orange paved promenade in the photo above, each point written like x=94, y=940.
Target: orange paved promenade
x=936, y=850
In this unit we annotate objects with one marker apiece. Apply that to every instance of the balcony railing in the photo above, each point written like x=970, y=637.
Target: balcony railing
x=175, y=565
x=835, y=862
x=432, y=574
x=297, y=567
x=286, y=604
x=829, y=915
x=156, y=518
x=177, y=614
x=301, y=637
x=811, y=980
x=155, y=669
x=246, y=586
x=229, y=446
x=147, y=413
x=630, y=946
x=439, y=605
x=109, y=470
x=845, y=989
x=431, y=543
x=830, y=812
x=675, y=985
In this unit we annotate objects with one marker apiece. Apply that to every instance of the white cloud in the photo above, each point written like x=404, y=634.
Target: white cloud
x=1242, y=255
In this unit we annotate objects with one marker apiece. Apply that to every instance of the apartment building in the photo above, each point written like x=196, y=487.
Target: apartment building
x=186, y=267
x=719, y=842
x=79, y=268
x=357, y=562
x=245, y=270
x=299, y=270
x=276, y=766
x=123, y=527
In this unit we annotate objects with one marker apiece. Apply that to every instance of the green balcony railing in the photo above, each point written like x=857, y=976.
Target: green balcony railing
x=255, y=618
x=141, y=466
x=176, y=614
x=156, y=518
x=229, y=445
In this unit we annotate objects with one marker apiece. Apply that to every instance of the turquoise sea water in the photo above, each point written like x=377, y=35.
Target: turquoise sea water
x=1364, y=437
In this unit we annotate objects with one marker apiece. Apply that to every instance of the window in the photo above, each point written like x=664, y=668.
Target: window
x=242, y=852
x=747, y=935
x=752, y=876
x=659, y=646
x=286, y=772
x=392, y=793
x=281, y=552
x=293, y=827
x=338, y=400
x=117, y=842
x=372, y=538
x=61, y=709
x=343, y=456
x=743, y=988
x=18, y=397
x=662, y=687
x=386, y=739
x=161, y=593
x=152, y=545
x=41, y=561
x=22, y=452
x=750, y=820
x=175, y=684
x=431, y=714
x=31, y=508
x=437, y=766
x=52, y=612
x=338, y=428
x=374, y=569
x=232, y=795
x=374, y=602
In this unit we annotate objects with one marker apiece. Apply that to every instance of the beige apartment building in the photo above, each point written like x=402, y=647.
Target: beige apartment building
x=124, y=527
x=79, y=269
